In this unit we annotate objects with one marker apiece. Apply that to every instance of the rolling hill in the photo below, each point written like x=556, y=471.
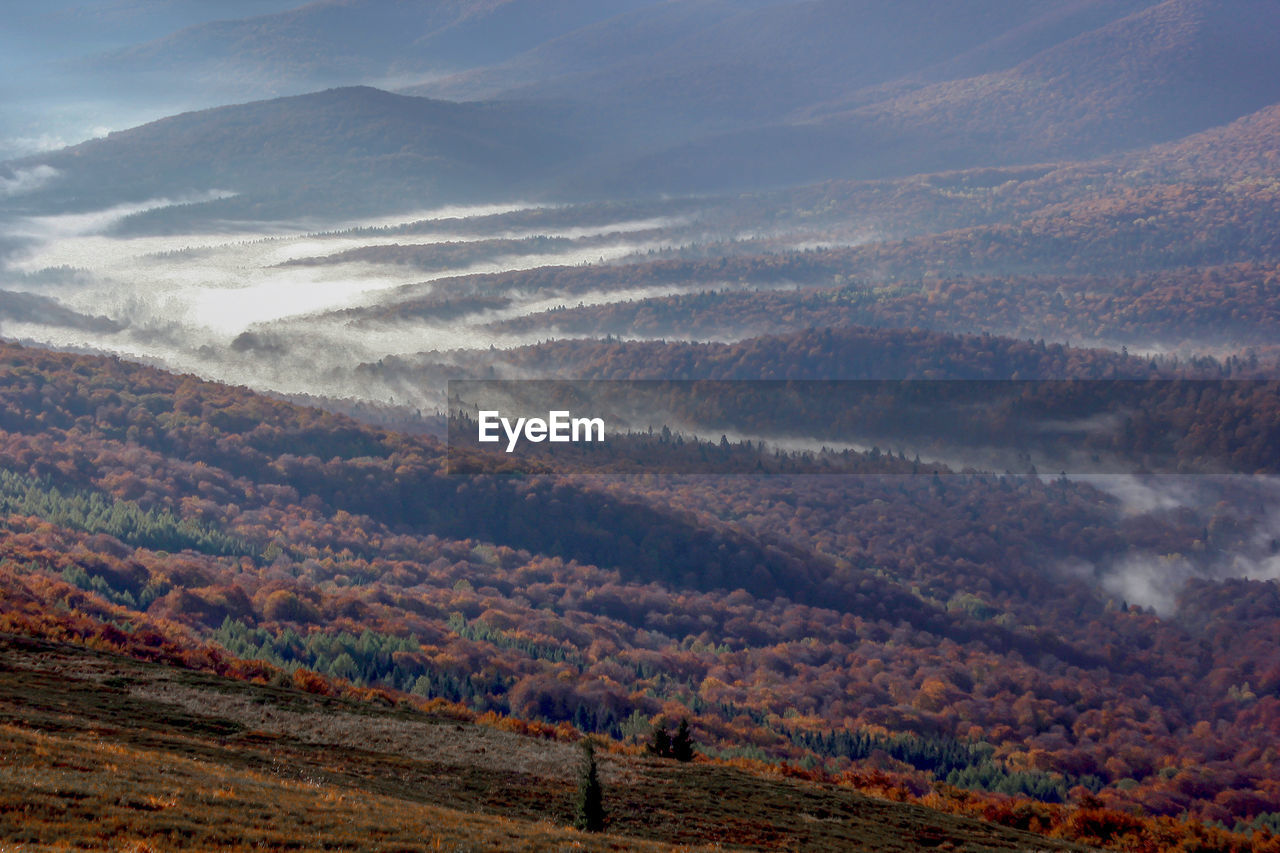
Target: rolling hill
x=644, y=98
x=381, y=607
x=199, y=752
x=747, y=64
x=343, y=42
x=284, y=533
x=1166, y=71
x=351, y=149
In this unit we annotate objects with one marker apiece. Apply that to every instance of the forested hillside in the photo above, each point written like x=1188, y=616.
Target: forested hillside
x=800, y=619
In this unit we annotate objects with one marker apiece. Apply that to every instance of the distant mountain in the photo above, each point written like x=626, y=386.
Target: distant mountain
x=1175, y=68
x=719, y=62
x=340, y=42
x=347, y=149
x=633, y=97
x=61, y=29
x=1172, y=69
x=74, y=69
x=606, y=44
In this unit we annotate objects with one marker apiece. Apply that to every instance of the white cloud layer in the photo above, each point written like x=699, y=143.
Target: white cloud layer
x=26, y=180
x=183, y=300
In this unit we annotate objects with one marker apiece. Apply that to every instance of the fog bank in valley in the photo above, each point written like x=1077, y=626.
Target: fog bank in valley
x=275, y=305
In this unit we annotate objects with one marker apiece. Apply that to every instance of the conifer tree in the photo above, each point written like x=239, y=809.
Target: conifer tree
x=682, y=743
x=660, y=741
x=590, y=816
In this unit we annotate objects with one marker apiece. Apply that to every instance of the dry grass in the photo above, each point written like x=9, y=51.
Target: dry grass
x=100, y=752
x=72, y=792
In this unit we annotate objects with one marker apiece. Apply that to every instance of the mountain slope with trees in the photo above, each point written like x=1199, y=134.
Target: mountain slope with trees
x=314, y=543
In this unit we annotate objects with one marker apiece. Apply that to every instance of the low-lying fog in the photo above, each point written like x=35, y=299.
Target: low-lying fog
x=230, y=305
x=277, y=307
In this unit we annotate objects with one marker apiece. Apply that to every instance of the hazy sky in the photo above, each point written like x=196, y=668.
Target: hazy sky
x=49, y=94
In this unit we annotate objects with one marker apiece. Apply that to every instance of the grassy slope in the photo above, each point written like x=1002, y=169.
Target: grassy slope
x=107, y=752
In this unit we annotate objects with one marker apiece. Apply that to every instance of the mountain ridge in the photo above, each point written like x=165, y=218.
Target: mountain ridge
x=345, y=146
